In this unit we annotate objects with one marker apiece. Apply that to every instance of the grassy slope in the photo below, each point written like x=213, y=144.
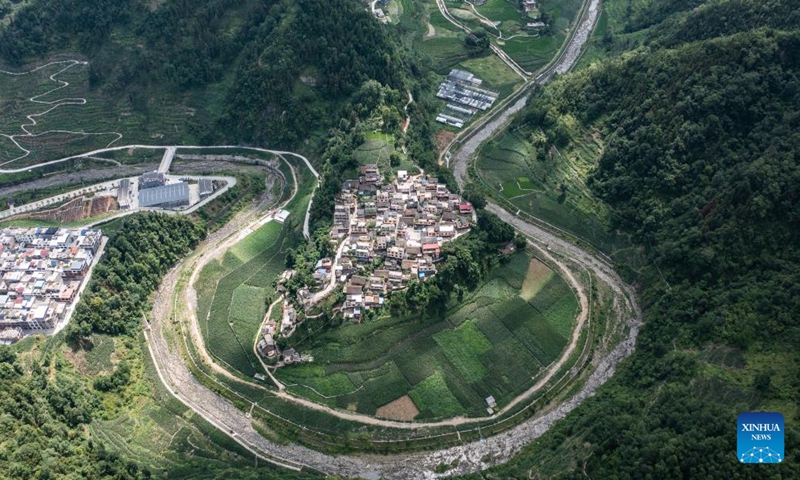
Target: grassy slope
x=251, y=265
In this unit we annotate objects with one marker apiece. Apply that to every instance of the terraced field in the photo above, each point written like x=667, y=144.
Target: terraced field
x=549, y=182
x=233, y=293
x=49, y=112
x=493, y=343
x=377, y=149
x=163, y=434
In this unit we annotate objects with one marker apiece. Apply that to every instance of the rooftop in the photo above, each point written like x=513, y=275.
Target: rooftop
x=176, y=192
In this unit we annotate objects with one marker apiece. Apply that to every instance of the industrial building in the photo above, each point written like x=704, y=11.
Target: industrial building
x=172, y=195
x=151, y=180
x=124, y=194
x=206, y=187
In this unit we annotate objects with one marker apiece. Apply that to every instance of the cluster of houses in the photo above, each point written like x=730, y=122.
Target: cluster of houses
x=464, y=95
x=41, y=272
x=531, y=13
x=386, y=235
x=390, y=235
x=528, y=5
x=268, y=347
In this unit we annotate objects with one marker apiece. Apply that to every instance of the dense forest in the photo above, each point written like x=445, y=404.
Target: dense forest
x=698, y=104
x=701, y=123
x=254, y=53
x=42, y=425
x=52, y=408
x=140, y=252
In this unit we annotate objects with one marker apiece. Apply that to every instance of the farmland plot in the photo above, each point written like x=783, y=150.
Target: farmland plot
x=232, y=295
x=494, y=343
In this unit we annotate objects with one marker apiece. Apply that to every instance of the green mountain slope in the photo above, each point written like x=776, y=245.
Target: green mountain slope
x=239, y=64
x=700, y=163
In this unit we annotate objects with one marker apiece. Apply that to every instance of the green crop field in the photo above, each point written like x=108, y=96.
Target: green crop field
x=377, y=149
x=247, y=302
x=253, y=244
x=531, y=177
x=530, y=50
x=463, y=347
x=501, y=11
x=436, y=398
x=156, y=430
x=533, y=53
x=232, y=295
x=493, y=343
x=445, y=52
x=234, y=291
x=496, y=75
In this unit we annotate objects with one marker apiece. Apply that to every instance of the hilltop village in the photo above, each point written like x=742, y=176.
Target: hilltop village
x=385, y=236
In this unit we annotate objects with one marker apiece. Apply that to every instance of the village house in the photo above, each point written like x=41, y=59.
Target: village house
x=41, y=272
x=391, y=233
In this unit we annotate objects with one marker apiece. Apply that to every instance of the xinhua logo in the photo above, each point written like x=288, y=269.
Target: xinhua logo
x=759, y=437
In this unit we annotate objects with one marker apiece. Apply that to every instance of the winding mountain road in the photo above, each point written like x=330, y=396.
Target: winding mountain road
x=466, y=458
x=469, y=457
x=51, y=105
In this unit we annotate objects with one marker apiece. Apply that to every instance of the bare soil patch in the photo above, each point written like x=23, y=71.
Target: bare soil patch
x=443, y=139
x=401, y=409
x=430, y=33
x=538, y=274
x=75, y=210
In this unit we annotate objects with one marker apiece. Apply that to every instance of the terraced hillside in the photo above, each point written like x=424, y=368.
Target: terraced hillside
x=494, y=343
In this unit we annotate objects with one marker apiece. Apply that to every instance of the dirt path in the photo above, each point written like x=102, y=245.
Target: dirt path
x=408, y=117
x=497, y=50
x=430, y=33
x=213, y=248
x=469, y=457
x=266, y=368
x=52, y=105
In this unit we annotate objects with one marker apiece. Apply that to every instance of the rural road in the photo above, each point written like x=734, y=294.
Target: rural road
x=220, y=412
x=230, y=182
x=466, y=458
x=470, y=457
x=485, y=127
x=497, y=50
x=51, y=105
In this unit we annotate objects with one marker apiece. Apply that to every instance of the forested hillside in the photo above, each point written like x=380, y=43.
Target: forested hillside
x=240, y=62
x=54, y=397
x=700, y=163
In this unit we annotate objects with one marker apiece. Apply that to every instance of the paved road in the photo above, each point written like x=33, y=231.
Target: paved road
x=166, y=160
x=109, y=186
x=503, y=110
x=470, y=457
x=161, y=147
x=497, y=50
x=56, y=199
